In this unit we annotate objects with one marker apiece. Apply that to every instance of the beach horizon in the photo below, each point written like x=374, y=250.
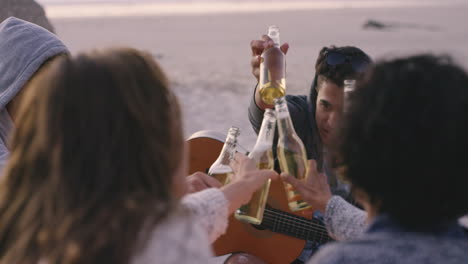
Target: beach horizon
x=57, y=9
x=207, y=56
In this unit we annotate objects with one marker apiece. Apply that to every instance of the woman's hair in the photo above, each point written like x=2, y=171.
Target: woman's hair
x=340, y=72
x=405, y=136
x=92, y=161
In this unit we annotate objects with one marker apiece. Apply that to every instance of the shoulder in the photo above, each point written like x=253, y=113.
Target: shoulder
x=298, y=107
x=299, y=101
x=401, y=248
x=360, y=251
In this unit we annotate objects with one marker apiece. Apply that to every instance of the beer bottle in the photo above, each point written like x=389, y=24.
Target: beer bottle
x=291, y=154
x=272, y=80
x=262, y=154
x=220, y=169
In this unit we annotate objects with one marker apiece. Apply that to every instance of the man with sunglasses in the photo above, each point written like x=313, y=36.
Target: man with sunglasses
x=315, y=118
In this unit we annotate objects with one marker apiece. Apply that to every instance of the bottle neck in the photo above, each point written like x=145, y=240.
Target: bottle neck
x=285, y=125
x=228, y=150
x=349, y=87
x=267, y=132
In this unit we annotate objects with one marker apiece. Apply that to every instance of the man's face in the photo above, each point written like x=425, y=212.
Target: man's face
x=329, y=111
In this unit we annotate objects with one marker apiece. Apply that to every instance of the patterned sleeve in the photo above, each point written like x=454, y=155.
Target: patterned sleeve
x=178, y=239
x=343, y=220
x=210, y=207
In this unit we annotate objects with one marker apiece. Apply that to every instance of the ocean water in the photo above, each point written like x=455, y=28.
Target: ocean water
x=128, y=8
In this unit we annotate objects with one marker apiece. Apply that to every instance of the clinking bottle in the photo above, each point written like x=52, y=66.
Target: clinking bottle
x=291, y=154
x=220, y=169
x=262, y=154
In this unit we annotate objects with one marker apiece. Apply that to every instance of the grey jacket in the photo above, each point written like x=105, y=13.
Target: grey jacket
x=24, y=47
x=387, y=242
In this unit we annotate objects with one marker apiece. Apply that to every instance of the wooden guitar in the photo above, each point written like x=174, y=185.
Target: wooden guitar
x=281, y=236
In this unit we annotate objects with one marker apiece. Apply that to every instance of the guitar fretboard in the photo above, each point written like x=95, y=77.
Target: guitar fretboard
x=295, y=226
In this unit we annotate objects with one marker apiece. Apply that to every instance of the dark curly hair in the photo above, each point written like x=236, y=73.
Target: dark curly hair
x=405, y=137
x=337, y=73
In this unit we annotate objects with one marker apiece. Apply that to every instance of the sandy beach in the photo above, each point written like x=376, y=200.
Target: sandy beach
x=207, y=56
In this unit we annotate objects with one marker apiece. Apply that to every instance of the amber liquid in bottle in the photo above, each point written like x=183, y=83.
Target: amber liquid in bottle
x=262, y=154
x=272, y=81
x=291, y=155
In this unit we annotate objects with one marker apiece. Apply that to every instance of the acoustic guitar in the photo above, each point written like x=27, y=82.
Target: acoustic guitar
x=280, y=238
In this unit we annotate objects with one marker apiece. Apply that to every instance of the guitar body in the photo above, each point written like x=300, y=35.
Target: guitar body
x=269, y=246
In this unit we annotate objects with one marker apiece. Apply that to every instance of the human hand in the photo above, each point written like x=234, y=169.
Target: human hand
x=200, y=181
x=245, y=170
x=245, y=180
x=257, y=47
x=314, y=190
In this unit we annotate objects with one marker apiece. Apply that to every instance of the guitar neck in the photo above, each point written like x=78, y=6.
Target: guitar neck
x=295, y=226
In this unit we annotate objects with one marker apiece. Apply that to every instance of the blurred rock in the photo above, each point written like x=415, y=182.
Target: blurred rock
x=28, y=10
x=374, y=24
x=385, y=26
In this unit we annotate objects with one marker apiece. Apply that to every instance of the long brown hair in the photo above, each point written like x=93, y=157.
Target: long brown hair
x=92, y=159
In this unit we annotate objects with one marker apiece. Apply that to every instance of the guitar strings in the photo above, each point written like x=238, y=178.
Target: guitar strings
x=304, y=234
x=305, y=227
x=281, y=218
x=296, y=218
x=322, y=237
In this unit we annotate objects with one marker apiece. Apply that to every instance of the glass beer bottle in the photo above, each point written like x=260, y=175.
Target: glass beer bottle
x=262, y=154
x=291, y=154
x=220, y=169
x=349, y=86
x=272, y=80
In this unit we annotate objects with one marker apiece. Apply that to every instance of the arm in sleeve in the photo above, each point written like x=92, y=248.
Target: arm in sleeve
x=210, y=207
x=255, y=113
x=343, y=220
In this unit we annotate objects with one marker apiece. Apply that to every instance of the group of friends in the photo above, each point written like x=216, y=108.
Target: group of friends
x=94, y=164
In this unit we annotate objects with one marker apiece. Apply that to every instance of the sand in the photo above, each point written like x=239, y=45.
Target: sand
x=207, y=56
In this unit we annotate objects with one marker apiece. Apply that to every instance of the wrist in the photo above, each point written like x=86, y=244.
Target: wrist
x=258, y=100
x=237, y=193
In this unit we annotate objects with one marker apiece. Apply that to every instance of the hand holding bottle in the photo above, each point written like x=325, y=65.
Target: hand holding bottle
x=257, y=47
x=269, y=67
x=200, y=181
x=314, y=190
x=245, y=180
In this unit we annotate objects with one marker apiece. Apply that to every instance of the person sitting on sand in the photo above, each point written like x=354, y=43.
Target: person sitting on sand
x=405, y=130
x=98, y=166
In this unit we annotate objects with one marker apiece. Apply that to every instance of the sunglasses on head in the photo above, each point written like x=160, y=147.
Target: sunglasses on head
x=359, y=62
